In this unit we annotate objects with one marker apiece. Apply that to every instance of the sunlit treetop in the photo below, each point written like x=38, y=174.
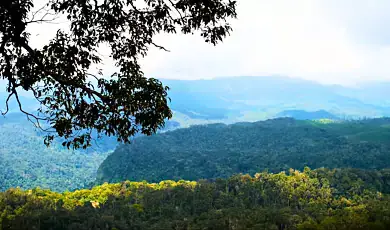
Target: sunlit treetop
x=58, y=74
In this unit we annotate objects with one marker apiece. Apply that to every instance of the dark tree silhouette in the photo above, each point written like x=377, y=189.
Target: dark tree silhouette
x=58, y=73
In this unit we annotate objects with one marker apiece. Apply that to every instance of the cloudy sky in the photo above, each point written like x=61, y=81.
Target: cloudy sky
x=329, y=41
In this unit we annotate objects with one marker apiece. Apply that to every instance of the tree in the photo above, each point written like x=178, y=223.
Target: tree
x=58, y=74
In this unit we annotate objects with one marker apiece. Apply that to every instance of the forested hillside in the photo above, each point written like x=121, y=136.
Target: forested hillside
x=219, y=150
x=313, y=199
x=27, y=163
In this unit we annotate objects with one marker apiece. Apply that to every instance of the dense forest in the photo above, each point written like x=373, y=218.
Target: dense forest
x=219, y=150
x=312, y=199
x=26, y=162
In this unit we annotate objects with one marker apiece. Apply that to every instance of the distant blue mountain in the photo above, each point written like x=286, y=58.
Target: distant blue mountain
x=371, y=93
x=307, y=115
x=234, y=97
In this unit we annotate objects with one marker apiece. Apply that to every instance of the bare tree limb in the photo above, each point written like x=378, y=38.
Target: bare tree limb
x=6, y=104
x=160, y=47
x=42, y=19
x=177, y=10
x=22, y=110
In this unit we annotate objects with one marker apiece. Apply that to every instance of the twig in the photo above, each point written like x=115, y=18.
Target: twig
x=160, y=47
x=178, y=11
x=6, y=104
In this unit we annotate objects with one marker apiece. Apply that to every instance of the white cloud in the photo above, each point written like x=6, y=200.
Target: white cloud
x=329, y=41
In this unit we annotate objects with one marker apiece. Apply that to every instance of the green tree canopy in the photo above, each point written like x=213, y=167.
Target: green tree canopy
x=58, y=74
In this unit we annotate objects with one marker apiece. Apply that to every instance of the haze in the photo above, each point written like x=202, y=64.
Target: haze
x=328, y=41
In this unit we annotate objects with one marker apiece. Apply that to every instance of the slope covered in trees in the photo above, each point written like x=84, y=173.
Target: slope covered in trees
x=296, y=200
x=26, y=162
x=218, y=150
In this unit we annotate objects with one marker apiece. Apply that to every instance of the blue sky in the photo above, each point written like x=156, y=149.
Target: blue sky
x=329, y=41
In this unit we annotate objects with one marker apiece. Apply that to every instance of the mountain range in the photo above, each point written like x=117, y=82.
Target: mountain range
x=237, y=99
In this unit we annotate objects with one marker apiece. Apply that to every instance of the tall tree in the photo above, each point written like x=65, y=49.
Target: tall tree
x=58, y=74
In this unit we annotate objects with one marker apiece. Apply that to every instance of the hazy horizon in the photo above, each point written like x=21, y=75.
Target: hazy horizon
x=330, y=42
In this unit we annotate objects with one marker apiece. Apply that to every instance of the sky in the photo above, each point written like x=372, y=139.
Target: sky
x=329, y=41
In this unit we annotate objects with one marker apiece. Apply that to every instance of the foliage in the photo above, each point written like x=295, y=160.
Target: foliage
x=58, y=74
x=218, y=150
x=296, y=200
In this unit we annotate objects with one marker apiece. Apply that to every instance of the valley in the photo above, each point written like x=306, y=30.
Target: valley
x=27, y=163
x=244, y=158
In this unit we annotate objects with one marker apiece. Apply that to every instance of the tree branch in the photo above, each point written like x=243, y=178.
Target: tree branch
x=6, y=104
x=68, y=83
x=160, y=47
x=42, y=19
x=177, y=10
x=22, y=110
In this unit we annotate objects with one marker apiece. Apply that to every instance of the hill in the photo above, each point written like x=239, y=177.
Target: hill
x=312, y=199
x=27, y=163
x=219, y=150
x=306, y=115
